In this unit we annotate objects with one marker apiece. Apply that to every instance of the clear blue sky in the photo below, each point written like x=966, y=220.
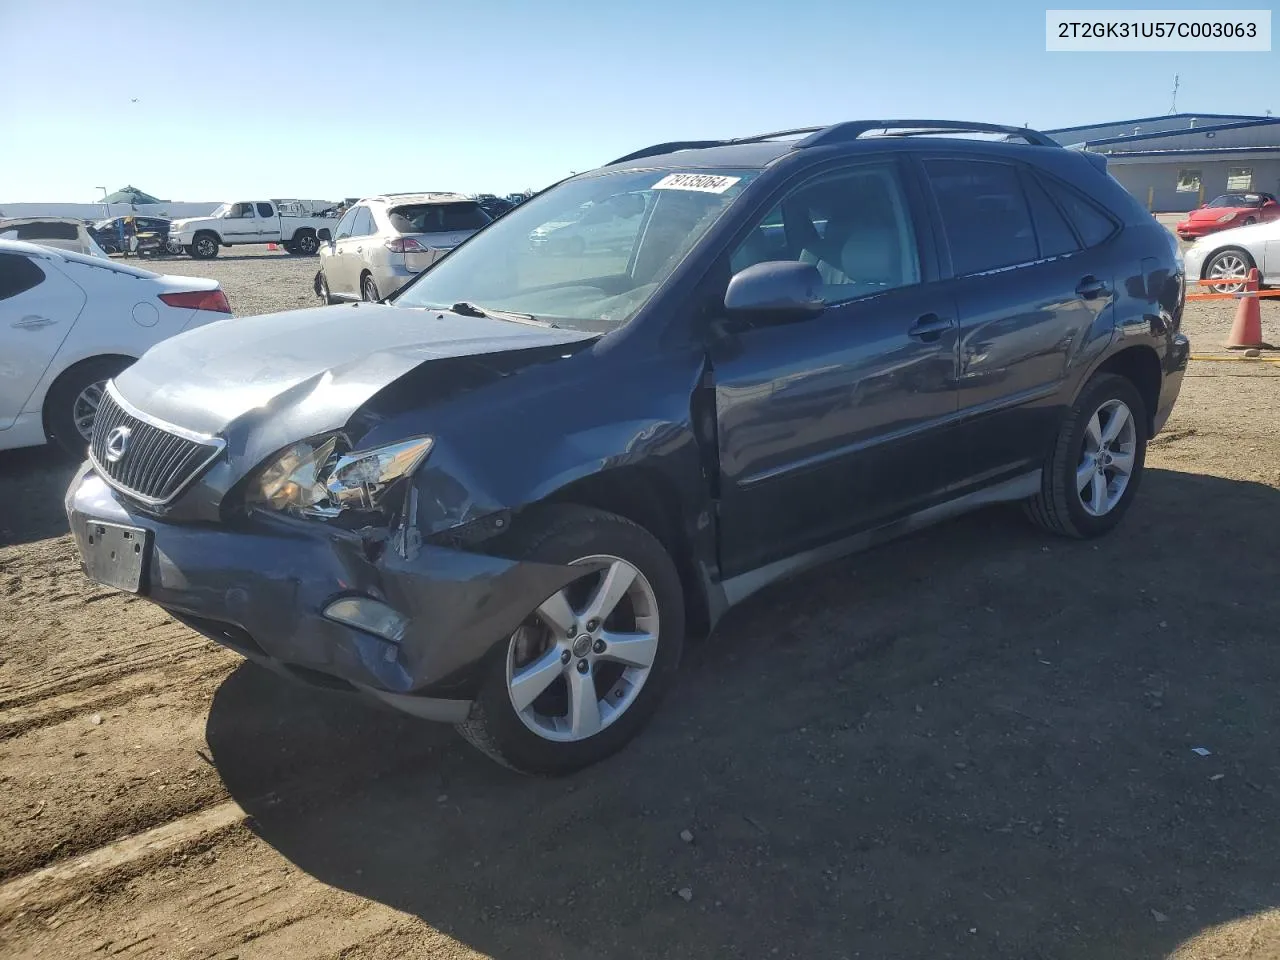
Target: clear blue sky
x=326, y=99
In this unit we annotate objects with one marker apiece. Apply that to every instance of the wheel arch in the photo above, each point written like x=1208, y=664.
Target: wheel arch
x=651, y=500
x=67, y=374
x=1140, y=365
x=1228, y=248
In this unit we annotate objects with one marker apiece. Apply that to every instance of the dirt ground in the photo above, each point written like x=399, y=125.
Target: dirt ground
x=976, y=742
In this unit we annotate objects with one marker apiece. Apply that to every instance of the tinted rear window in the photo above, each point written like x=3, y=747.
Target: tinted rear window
x=438, y=217
x=35, y=232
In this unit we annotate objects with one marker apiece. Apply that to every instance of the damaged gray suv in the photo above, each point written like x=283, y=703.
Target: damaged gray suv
x=502, y=497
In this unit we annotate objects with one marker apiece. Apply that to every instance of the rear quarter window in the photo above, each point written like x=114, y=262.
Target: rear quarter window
x=1092, y=224
x=18, y=274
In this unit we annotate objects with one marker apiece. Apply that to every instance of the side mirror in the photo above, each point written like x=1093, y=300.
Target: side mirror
x=776, y=291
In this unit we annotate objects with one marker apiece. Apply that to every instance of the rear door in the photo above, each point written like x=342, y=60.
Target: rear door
x=268, y=222
x=836, y=424
x=1028, y=290
x=38, y=308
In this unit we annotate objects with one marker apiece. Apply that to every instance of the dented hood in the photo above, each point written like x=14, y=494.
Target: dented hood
x=300, y=373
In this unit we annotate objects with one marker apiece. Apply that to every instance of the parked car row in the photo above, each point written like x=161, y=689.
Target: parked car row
x=506, y=490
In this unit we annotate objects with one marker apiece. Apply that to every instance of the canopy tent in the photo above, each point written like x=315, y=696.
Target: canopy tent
x=132, y=196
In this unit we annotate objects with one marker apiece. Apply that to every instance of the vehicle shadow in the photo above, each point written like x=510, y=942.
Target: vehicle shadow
x=32, y=482
x=973, y=742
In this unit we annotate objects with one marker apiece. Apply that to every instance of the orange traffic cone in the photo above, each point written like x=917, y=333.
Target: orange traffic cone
x=272, y=246
x=1246, y=332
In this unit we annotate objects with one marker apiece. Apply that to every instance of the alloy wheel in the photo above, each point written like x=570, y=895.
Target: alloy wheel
x=1230, y=267
x=580, y=660
x=308, y=244
x=205, y=247
x=85, y=408
x=1107, y=458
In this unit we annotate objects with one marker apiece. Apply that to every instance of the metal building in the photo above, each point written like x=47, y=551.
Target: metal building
x=1176, y=162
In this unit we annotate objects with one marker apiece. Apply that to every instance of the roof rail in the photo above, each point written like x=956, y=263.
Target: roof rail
x=853, y=129
x=844, y=132
x=660, y=148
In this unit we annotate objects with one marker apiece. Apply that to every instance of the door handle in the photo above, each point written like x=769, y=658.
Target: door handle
x=929, y=327
x=1091, y=288
x=33, y=322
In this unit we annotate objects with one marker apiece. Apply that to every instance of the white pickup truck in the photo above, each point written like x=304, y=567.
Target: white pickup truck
x=290, y=223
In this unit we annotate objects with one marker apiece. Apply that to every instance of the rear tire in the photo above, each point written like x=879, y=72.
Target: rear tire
x=1076, y=482
x=304, y=245
x=204, y=246
x=369, y=288
x=528, y=741
x=70, y=398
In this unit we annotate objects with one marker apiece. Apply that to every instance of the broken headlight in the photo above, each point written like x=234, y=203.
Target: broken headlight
x=321, y=480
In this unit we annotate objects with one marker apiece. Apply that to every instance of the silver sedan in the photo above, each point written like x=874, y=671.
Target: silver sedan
x=1231, y=254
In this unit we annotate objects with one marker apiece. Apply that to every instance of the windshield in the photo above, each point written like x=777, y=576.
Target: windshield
x=1237, y=200
x=222, y=209
x=587, y=254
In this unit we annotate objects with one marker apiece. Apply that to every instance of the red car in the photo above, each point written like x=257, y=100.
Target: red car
x=1229, y=210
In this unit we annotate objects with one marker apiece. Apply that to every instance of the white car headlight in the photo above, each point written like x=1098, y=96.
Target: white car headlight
x=317, y=479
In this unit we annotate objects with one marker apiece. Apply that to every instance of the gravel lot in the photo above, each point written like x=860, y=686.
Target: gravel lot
x=976, y=742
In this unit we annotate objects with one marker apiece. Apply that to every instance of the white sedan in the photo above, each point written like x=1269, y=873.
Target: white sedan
x=69, y=323
x=1231, y=254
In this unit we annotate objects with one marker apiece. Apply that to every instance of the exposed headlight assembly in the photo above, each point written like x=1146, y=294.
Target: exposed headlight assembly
x=320, y=480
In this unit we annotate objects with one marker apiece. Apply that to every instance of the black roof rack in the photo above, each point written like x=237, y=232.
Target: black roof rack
x=849, y=130
x=853, y=129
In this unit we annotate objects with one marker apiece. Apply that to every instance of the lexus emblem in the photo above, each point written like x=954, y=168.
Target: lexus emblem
x=117, y=444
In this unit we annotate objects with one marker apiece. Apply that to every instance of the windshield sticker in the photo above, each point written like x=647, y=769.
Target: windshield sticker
x=701, y=182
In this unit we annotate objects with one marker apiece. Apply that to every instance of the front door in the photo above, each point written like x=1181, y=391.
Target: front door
x=38, y=308
x=835, y=424
x=240, y=225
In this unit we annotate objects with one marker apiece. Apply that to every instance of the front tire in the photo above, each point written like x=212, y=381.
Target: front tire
x=72, y=402
x=587, y=669
x=204, y=246
x=322, y=289
x=1093, y=472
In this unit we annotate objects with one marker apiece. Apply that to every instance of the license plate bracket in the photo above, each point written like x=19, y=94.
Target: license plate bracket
x=116, y=555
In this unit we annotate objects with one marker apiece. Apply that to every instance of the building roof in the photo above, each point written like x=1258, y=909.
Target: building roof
x=1204, y=132
x=1181, y=118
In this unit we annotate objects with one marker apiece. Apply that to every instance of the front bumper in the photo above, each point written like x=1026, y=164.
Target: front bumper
x=1191, y=231
x=260, y=590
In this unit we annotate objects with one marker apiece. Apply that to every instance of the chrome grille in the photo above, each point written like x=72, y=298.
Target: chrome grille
x=157, y=462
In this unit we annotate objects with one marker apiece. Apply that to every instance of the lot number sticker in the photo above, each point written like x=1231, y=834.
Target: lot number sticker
x=701, y=182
